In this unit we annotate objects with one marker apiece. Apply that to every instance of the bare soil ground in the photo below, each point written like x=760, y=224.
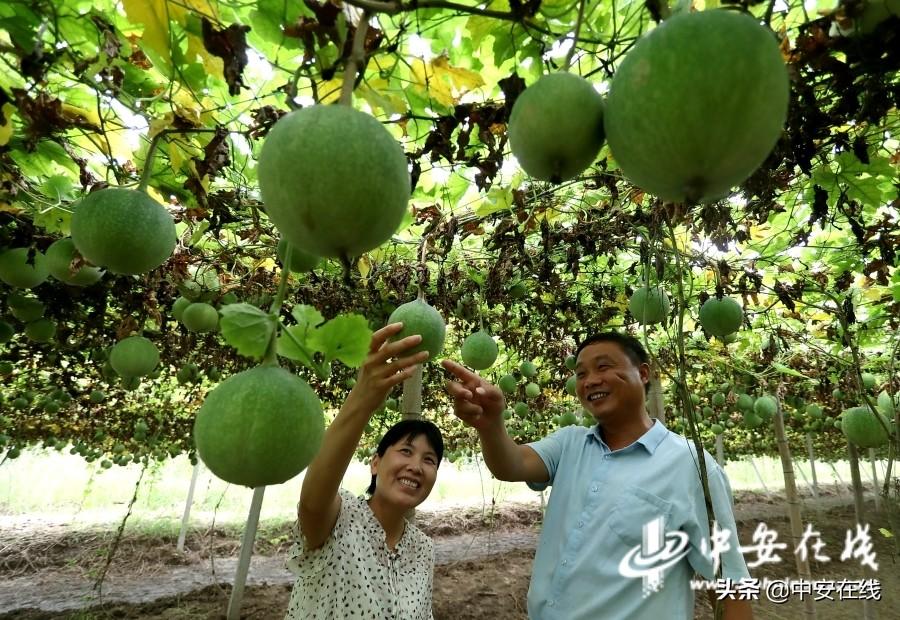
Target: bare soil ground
x=484, y=556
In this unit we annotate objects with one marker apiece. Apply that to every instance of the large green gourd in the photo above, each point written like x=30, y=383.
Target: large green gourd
x=697, y=105
x=134, y=356
x=420, y=318
x=479, y=351
x=861, y=427
x=721, y=317
x=301, y=261
x=334, y=180
x=123, y=230
x=556, y=127
x=649, y=305
x=59, y=259
x=20, y=270
x=261, y=426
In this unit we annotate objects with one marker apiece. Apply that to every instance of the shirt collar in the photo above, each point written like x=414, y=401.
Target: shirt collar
x=649, y=440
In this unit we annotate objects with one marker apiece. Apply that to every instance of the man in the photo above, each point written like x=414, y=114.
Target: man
x=612, y=483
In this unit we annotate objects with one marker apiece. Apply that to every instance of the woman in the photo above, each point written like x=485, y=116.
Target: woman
x=358, y=558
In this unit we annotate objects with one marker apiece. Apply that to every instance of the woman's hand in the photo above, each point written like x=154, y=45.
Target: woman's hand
x=385, y=367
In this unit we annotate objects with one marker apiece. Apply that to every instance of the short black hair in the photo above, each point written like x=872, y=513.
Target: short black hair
x=630, y=345
x=409, y=429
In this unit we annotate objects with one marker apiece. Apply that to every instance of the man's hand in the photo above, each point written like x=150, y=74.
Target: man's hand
x=476, y=402
x=384, y=368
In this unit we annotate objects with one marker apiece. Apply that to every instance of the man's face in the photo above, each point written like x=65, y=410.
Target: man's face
x=608, y=383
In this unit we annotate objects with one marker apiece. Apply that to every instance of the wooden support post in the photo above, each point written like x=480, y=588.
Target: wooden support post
x=798, y=468
x=794, y=515
x=875, y=485
x=243, y=567
x=411, y=402
x=812, y=465
x=759, y=477
x=859, y=507
x=411, y=409
x=838, y=476
x=655, y=405
x=187, y=508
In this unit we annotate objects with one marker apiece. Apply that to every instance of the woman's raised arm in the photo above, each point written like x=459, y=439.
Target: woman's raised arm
x=320, y=503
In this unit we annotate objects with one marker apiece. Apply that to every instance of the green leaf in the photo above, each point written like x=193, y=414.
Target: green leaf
x=296, y=341
x=885, y=532
x=58, y=188
x=863, y=182
x=54, y=220
x=787, y=371
x=247, y=328
x=499, y=198
x=346, y=338
x=198, y=234
x=306, y=317
x=287, y=345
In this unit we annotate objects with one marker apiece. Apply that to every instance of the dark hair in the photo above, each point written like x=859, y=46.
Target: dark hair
x=409, y=429
x=630, y=345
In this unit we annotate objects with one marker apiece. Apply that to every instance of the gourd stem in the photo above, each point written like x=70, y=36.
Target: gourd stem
x=423, y=254
x=271, y=356
x=148, y=162
x=574, y=39
x=357, y=59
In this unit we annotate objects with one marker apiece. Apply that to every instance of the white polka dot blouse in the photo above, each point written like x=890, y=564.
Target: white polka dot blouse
x=355, y=575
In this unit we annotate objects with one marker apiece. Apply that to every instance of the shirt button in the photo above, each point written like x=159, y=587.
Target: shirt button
x=564, y=562
x=551, y=603
x=594, y=488
x=581, y=524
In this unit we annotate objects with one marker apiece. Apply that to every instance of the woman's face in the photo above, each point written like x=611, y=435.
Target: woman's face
x=406, y=473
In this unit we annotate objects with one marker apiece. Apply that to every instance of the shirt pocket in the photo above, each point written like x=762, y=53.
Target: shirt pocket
x=633, y=510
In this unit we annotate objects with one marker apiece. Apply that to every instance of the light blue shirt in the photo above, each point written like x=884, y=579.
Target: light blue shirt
x=597, y=512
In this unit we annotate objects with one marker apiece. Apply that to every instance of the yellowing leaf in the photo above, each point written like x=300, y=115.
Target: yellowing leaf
x=760, y=232
x=204, y=180
x=176, y=156
x=819, y=315
x=443, y=82
x=214, y=65
x=5, y=207
x=375, y=93
x=364, y=266
x=155, y=195
x=872, y=293
x=155, y=15
x=266, y=264
x=75, y=113
x=206, y=8
x=330, y=91
x=114, y=141
x=7, y=129
x=682, y=239
x=187, y=106
x=159, y=124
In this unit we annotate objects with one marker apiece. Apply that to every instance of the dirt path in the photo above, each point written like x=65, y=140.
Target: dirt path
x=62, y=590
x=153, y=572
